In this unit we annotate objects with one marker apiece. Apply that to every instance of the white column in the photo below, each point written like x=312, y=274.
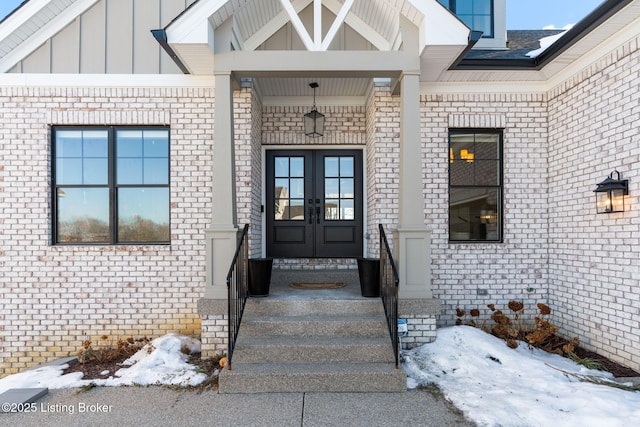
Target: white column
x=222, y=234
x=412, y=240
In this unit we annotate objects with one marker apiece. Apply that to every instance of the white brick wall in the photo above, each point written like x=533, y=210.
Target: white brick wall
x=53, y=297
x=382, y=162
x=594, y=259
x=421, y=330
x=557, y=146
x=215, y=335
x=506, y=270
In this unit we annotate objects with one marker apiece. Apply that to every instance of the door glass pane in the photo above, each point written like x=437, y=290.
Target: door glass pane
x=346, y=166
x=281, y=209
x=339, y=188
x=297, y=166
x=282, y=166
x=331, y=209
x=83, y=215
x=297, y=188
x=282, y=188
x=347, y=211
x=331, y=188
x=331, y=166
x=296, y=209
x=288, y=190
x=143, y=215
x=346, y=188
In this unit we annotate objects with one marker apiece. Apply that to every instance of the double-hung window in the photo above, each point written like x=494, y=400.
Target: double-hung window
x=476, y=14
x=475, y=185
x=110, y=185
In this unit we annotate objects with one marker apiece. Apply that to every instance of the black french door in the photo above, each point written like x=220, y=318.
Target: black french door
x=314, y=203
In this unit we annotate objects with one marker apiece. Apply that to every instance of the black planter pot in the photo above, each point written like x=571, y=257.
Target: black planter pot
x=259, y=276
x=369, y=272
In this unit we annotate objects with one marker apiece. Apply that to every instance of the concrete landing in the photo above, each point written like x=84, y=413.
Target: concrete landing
x=15, y=397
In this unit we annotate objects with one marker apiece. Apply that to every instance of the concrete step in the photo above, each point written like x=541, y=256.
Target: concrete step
x=314, y=349
x=312, y=377
x=267, y=306
x=313, y=325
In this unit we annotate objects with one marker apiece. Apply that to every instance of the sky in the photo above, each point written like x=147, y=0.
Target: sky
x=491, y=383
x=521, y=14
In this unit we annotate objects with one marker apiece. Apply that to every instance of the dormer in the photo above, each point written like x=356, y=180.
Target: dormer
x=488, y=16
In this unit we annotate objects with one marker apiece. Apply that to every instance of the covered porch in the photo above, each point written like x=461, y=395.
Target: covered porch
x=369, y=64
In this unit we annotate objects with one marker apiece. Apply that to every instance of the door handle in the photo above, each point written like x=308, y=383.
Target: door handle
x=310, y=215
x=318, y=214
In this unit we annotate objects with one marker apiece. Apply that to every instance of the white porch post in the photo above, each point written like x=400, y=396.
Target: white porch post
x=222, y=234
x=412, y=240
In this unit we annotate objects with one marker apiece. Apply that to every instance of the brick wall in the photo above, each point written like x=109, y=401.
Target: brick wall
x=505, y=270
x=53, y=297
x=593, y=259
x=382, y=162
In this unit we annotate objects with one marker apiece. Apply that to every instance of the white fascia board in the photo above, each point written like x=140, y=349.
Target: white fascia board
x=193, y=25
x=52, y=28
x=439, y=27
x=105, y=80
x=595, y=54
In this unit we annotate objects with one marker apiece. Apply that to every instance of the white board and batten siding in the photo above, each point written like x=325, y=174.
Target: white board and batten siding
x=111, y=37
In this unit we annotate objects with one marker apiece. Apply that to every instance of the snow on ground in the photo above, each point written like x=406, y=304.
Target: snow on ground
x=493, y=384
x=159, y=362
x=498, y=386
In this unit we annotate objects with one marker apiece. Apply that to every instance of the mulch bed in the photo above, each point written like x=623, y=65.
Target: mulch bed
x=607, y=364
x=93, y=370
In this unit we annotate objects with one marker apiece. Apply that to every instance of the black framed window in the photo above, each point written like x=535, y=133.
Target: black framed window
x=476, y=14
x=110, y=185
x=475, y=185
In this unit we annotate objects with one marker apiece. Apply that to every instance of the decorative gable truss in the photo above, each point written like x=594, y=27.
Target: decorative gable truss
x=191, y=37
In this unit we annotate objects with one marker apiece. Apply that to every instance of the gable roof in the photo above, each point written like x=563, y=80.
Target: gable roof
x=189, y=37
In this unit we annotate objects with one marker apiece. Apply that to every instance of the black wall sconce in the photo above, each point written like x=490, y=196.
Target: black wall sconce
x=313, y=120
x=610, y=194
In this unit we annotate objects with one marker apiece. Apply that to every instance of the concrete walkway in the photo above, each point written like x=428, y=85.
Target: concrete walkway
x=155, y=406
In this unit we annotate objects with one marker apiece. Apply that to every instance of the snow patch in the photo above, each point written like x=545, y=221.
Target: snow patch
x=546, y=42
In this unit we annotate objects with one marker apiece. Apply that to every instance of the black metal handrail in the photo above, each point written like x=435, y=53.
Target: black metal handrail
x=389, y=283
x=238, y=290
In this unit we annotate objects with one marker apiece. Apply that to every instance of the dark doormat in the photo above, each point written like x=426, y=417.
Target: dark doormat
x=316, y=286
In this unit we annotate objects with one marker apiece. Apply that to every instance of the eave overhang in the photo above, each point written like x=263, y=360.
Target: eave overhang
x=580, y=31
x=441, y=37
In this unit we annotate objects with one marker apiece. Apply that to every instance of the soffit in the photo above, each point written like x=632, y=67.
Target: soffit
x=34, y=23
